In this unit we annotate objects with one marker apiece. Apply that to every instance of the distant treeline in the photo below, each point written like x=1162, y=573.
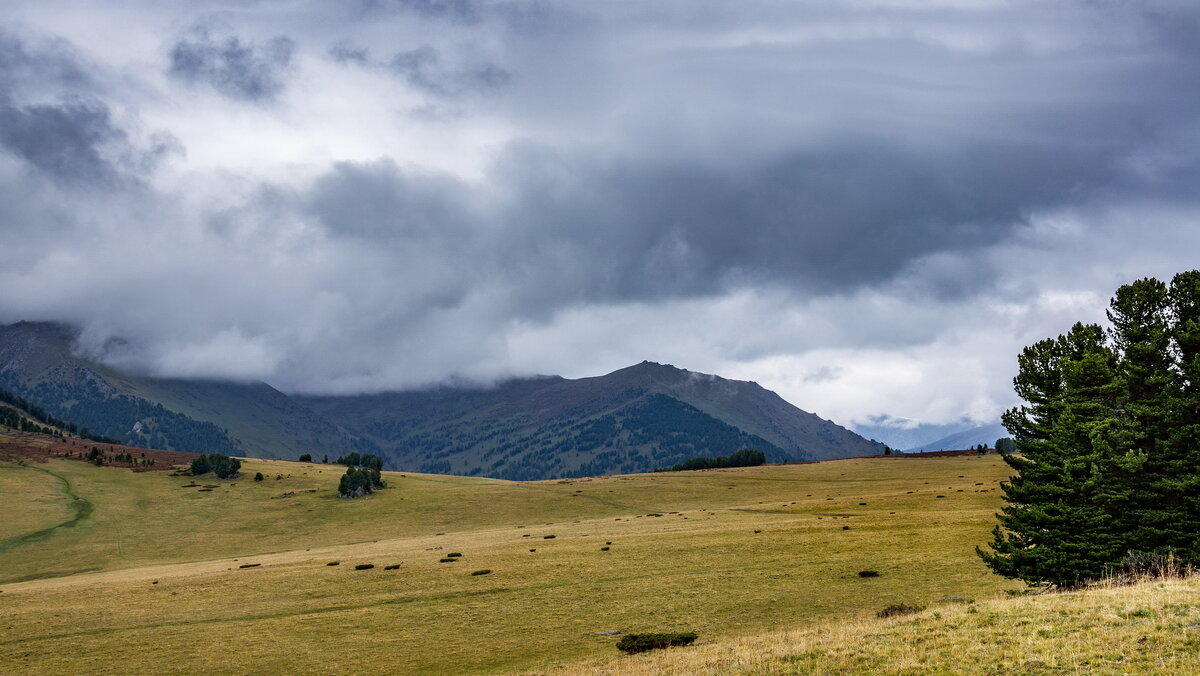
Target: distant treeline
x=11, y=418
x=747, y=457
x=362, y=460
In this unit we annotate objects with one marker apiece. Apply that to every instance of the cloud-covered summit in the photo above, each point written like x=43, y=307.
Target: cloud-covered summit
x=869, y=207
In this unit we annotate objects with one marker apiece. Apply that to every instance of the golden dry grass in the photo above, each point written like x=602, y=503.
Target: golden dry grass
x=31, y=499
x=1149, y=628
x=700, y=565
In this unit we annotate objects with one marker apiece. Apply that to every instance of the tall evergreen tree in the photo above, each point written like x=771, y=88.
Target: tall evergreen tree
x=1108, y=443
x=1141, y=334
x=1054, y=528
x=1178, y=487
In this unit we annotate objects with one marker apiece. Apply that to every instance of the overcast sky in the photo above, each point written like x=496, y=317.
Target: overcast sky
x=867, y=206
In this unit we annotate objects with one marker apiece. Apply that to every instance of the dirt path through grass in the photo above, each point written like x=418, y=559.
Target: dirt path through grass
x=81, y=511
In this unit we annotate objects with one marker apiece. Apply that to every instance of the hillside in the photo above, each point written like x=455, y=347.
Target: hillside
x=636, y=419
x=151, y=577
x=983, y=434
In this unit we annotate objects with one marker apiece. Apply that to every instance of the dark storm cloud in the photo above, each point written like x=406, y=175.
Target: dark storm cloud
x=236, y=68
x=51, y=62
x=53, y=117
x=423, y=68
x=828, y=220
x=62, y=140
x=463, y=11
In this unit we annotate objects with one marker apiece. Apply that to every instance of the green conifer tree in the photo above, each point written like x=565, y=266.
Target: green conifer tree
x=1055, y=527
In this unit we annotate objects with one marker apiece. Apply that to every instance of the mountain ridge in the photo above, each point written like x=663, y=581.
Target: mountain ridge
x=634, y=419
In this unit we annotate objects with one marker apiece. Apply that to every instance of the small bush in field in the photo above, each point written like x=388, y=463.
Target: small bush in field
x=640, y=643
x=897, y=609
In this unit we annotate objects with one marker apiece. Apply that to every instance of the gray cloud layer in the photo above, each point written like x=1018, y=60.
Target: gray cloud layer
x=239, y=70
x=826, y=199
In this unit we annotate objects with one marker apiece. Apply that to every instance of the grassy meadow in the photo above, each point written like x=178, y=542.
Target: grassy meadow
x=150, y=579
x=1148, y=628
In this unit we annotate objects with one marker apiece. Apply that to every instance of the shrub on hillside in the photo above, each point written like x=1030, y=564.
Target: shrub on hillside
x=305, y=457
x=221, y=465
x=359, y=481
x=640, y=643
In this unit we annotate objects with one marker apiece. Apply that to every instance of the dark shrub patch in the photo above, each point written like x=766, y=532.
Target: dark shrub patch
x=547, y=537
x=897, y=609
x=533, y=550
x=250, y=565
x=605, y=549
x=364, y=566
x=394, y=566
x=485, y=571
x=221, y=465
x=447, y=560
x=333, y=563
x=453, y=555
x=845, y=527
x=868, y=573
x=640, y=643
x=258, y=476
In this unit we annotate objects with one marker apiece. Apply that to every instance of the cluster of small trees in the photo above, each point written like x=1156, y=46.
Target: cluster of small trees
x=747, y=457
x=364, y=460
x=358, y=481
x=1109, y=443
x=221, y=465
x=362, y=476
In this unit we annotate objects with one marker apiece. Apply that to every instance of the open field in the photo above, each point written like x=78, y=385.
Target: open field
x=167, y=589
x=1148, y=628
